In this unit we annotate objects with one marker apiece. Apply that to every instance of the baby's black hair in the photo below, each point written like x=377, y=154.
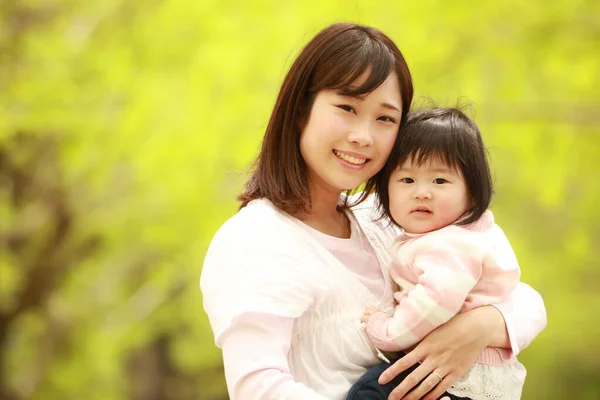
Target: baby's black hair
x=447, y=135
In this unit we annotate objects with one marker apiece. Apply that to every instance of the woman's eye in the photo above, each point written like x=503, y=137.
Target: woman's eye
x=439, y=181
x=348, y=108
x=407, y=180
x=385, y=118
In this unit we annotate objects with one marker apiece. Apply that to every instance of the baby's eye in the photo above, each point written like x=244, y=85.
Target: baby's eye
x=347, y=107
x=439, y=181
x=407, y=180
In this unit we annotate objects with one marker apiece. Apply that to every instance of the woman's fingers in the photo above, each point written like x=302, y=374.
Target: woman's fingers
x=451, y=348
x=428, y=384
x=399, y=366
x=440, y=389
x=419, y=375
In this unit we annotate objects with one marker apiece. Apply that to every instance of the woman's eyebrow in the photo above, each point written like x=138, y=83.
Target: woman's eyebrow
x=361, y=97
x=390, y=106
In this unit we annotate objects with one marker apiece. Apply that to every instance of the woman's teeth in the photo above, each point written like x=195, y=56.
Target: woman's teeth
x=350, y=159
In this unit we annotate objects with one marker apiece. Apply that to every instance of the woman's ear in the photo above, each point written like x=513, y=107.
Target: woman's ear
x=301, y=122
x=304, y=112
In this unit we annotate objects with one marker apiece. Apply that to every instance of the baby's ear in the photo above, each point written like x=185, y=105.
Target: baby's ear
x=473, y=203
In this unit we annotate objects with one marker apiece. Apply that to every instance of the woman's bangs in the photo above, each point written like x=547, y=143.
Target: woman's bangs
x=371, y=57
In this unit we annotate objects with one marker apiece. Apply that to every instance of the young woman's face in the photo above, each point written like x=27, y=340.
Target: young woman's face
x=347, y=140
x=427, y=197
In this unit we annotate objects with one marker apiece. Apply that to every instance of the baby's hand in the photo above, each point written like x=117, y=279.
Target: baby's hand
x=368, y=314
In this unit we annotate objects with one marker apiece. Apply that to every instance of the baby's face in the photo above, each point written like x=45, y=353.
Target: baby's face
x=427, y=197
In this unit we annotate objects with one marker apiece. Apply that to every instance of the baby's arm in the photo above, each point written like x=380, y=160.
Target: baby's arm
x=446, y=278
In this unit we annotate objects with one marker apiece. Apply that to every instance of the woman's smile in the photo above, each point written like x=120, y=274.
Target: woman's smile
x=354, y=159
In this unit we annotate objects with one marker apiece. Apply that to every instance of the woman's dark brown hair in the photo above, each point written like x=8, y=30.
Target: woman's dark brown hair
x=447, y=135
x=333, y=59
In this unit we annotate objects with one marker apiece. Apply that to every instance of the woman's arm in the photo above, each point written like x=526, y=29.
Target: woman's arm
x=254, y=286
x=255, y=349
x=523, y=322
x=455, y=267
x=451, y=349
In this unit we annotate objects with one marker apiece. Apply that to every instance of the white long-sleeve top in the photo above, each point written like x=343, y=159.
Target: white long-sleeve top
x=286, y=312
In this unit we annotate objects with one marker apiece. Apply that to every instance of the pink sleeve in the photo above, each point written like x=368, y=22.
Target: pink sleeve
x=445, y=281
x=255, y=348
x=377, y=329
x=525, y=316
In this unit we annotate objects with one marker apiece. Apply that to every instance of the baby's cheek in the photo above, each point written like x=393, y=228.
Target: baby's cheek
x=449, y=210
x=398, y=212
x=444, y=207
x=394, y=198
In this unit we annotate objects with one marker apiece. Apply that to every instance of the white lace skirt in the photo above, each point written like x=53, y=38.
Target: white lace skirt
x=493, y=382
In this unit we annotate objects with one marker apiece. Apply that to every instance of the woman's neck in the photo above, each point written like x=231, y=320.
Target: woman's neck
x=325, y=217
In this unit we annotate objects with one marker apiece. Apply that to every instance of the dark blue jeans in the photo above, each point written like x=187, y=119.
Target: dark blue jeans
x=367, y=387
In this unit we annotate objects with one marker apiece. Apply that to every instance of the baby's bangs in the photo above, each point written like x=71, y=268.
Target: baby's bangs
x=435, y=145
x=448, y=157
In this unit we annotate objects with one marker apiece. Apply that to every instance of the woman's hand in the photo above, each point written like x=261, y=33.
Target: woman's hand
x=445, y=354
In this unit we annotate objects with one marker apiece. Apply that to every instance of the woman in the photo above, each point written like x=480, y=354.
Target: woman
x=286, y=280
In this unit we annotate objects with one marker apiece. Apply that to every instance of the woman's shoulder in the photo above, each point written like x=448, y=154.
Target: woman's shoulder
x=258, y=244
x=257, y=225
x=368, y=204
x=369, y=214
x=366, y=210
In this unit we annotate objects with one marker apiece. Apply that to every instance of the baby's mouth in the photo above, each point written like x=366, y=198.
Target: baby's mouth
x=422, y=209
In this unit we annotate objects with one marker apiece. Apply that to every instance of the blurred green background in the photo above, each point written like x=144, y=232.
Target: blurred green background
x=126, y=128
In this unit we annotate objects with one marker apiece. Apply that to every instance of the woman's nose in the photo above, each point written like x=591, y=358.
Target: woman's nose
x=362, y=135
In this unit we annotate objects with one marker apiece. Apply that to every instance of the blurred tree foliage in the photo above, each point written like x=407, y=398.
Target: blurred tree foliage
x=125, y=128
